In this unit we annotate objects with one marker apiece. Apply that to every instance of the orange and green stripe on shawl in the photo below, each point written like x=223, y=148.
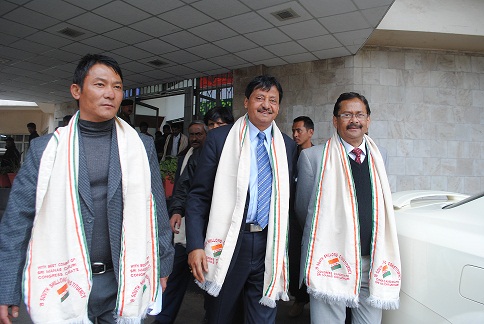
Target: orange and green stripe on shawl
x=375, y=208
x=276, y=219
x=243, y=131
x=354, y=211
x=74, y=194
x=317, y=206
x=154, y=248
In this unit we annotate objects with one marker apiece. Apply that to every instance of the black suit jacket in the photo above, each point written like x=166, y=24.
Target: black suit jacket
x=200, y=196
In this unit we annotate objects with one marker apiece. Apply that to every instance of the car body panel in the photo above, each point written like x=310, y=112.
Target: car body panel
x=442, y=253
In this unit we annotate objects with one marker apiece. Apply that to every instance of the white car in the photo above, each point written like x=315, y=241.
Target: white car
x=441, y=238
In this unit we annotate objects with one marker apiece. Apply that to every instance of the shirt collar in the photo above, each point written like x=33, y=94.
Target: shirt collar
x=349, y=147
x=253, y=131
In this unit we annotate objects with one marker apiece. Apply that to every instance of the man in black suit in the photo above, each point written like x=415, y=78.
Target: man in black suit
x=247, y=259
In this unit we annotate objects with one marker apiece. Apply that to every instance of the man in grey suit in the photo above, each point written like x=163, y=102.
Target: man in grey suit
x=339, y=198
x=102, y=203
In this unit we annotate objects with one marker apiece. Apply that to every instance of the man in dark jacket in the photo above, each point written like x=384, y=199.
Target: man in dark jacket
x=32, y=128
x=178, y=280
x=11, y=158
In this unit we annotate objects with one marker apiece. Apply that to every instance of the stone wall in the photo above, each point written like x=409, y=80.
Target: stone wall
x=427, y=109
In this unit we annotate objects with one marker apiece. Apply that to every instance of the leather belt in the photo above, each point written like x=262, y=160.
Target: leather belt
x=249, y=227
x=101, y=267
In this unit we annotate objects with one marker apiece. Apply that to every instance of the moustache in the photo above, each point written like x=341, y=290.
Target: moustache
x=262, y=109
x=353, y=125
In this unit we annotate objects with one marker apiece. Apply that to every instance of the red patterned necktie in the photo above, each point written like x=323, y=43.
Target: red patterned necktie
x=357, y=151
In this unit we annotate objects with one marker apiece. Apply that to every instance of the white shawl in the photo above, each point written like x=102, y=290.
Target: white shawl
x=333, y=264
x=226, y=215
x=57, y=276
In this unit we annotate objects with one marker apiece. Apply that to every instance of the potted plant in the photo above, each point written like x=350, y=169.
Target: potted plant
x=168, y=169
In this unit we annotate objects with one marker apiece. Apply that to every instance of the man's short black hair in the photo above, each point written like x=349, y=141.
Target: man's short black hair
x=219, y=112
x=308, y=123
x=10, y=139
x=264, y=82
x=86, y=63
x=32, y=125
x=349, y=96
x=143, y=123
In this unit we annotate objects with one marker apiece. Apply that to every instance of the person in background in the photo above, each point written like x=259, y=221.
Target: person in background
x=160, y=140
x=302, y=132
x=177, y=283
x=218, y=116
x=180, y=276
x=143, y=128
x=176, y=142
x=11, y=158
x=343, y=185
x=32, y=128
x=66, y=119
x=158, y=146
x=88, y=204
x=237, y=240
x=166, y=131
x=126, y=110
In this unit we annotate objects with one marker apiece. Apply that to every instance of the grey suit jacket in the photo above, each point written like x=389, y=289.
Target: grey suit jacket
x=308, y=165
x=16, y=225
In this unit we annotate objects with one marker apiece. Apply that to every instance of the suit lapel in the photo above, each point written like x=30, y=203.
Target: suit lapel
x=170, y=145
x=114, y=176
x=84, y=187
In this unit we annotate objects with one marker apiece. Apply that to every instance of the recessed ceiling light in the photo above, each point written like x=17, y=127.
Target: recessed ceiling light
x=71, y=32
x=157, y=63
x=285, y=14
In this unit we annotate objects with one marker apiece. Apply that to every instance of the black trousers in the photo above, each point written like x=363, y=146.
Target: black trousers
x=175, y=287
x=246, y=276
x=102, y=299
x=295, y=238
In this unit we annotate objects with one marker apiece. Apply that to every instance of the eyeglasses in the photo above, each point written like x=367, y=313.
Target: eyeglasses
x=350, y=116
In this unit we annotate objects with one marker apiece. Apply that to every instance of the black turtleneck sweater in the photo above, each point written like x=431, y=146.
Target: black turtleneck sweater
x=95, y=139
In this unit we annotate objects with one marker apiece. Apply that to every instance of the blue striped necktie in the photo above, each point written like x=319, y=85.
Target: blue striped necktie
x=264, y=182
